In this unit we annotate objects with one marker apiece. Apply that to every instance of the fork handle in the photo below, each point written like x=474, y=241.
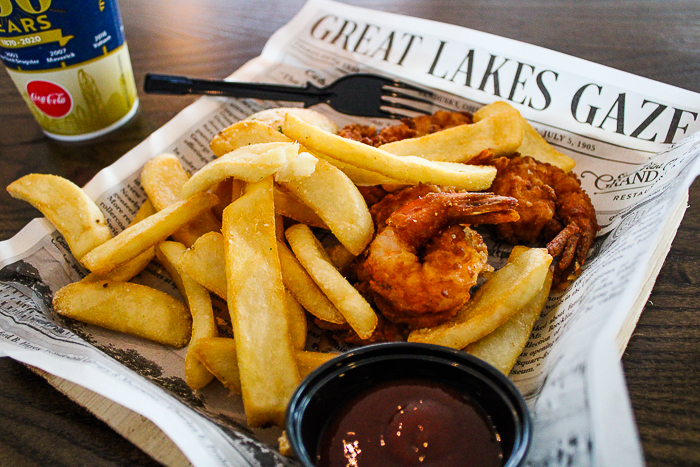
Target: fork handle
x=170, y=84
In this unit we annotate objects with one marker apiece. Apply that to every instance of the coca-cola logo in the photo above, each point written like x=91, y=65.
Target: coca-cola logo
x=52, y=99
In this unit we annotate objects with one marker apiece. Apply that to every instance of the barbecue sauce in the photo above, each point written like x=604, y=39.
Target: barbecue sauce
x=410, y=422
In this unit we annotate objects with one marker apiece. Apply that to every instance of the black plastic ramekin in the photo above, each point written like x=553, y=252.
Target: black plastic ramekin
x=326, y=389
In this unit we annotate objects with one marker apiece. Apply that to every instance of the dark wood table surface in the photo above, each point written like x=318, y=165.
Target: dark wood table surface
x=658, y=39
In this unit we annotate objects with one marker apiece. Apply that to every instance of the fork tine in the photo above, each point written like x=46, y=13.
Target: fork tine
x=406, y=105
x=410, y=97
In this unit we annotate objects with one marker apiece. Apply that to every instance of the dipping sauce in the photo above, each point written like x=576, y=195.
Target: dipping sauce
x=410, y=422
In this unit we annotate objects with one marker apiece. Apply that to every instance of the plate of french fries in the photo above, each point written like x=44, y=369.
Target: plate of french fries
x=268, y=226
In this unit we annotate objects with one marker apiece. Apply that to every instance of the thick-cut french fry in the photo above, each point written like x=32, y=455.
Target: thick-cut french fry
x=501, y=296
x=248, y=163
x=290, y=206
x=256, y=302
x=245, y=133
x=265, y=127
x=304, y=289
x=204, y=262
x=338, y=202
x=309, y=361
x=359, y=177
x=218, y=355
x=275, y=118
x=533, y=144
x=403, y=169
x=125, y=307
x=502, y=347
x=139, y=237
x=128, y=270
x=199, y=303
x=502, y=133
x=297, y=321
x=68, y=208
x=162, y=179
x=310, y=253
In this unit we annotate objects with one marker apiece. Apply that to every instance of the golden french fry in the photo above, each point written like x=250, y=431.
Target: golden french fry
x=130, y=269
x=162, y=179
x=310, y=253
x=502, y=295
x=67, y=207
x=245, y=133
x=533, y=144
x=304, y=289
x=218, y=355
x=289, y=206
x=402, y=169
x=256, y=302
x=338, y=202
x=359, y=177
x=300, y=166
x=249, y=163
x=297, y=321
x=502, y=133
x=309, y=361
x=199, y=303
x=275, y=118
x=502, y=347
x=204, y=262
x=129, y=308
x=136, y=239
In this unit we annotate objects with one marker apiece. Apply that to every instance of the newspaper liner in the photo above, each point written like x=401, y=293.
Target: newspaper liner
x=618, y=127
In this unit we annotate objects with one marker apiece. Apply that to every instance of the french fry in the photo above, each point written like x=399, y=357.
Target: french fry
x=162, y=178
x=256, y=302
x=297, y=321
x=199, y=304
x=275, y=118
x=218, y=355
x=359, y=177
x=402, y=169
x=139, y=237
x=290, y=206
x=304, y=289
x=533, y=144
x=67, y=207
x=204, y=262
x=309, y=361
x=338, y=202
x=129, y=308
x=354, y=308
x=502, y=347
x=245, y=133
x=248, y=163
x=501, y=132
x=507, y=290
x=130, y=269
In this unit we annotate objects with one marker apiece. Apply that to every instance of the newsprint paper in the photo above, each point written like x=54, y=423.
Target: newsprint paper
x=636, y=148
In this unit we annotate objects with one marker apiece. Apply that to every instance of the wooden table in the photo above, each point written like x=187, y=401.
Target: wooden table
x=211, y=38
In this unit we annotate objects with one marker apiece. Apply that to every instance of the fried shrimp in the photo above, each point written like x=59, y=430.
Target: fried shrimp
x=422, y=263
x=553, y=207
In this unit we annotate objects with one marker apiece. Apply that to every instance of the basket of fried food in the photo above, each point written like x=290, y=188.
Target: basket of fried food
x=370, y=236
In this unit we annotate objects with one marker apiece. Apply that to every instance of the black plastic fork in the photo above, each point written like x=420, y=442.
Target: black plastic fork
x=360, y=94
